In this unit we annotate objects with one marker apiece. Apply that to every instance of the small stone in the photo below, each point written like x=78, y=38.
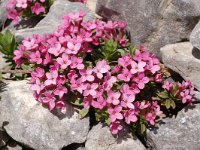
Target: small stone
x=29, y=123
x=100, y=138
x=178, y=133
x=183, y=59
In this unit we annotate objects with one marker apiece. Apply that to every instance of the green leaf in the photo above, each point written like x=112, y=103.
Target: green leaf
x=1, y=76
x=168, y=103
x=107, y=121
x=83, y=113
x=163, y=95
x=142, y=128
x=77, y=102
x=173, y=104
x=122, y=52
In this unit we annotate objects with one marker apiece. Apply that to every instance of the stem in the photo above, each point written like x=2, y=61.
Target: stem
x=16, y=71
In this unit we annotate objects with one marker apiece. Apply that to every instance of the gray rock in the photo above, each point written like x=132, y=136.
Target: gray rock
x=197, y=96
x=183, y=59
x=195, y=36
x=27, y=122
x=3, y=12
x=178, y=133
x=54, y=18
x=3, y=138
x=100, y=138
x=153, y=22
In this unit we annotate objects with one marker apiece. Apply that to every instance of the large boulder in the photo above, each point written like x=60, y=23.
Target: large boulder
x=183, y=59
x=195, y=36
x=178, y=133
x=100, y=138
x=154, y=22
x=29, y=123
x=54, y=18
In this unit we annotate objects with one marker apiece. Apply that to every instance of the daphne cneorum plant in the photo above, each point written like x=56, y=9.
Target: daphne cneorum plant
x=92, y=65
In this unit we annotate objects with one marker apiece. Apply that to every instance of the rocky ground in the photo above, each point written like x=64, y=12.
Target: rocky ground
x=169, y=27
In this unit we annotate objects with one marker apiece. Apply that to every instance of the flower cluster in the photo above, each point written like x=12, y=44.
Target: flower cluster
x=17, y=9
x=95, y=62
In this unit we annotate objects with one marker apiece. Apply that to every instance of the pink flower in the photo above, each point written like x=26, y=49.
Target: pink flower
x=130, y=116
x=30, y=44
x=51, y=78
x=38, y=86
x=113, y=97
x=116, y=69
x=109, y=81
x=141, y=80
x=151, y=118
x=115, y=113
x=167, y=85
x=91, y=90
x=128, y=101
x=47, y=59
x=144, y=105
x=137, y=67
x=50, y=100
x=185, y=95
x=78, y=85
x=37, y=73
x=60, y=91
x=22, y=3
x=124, y=61
x=115, y=127
x=86, y=75
x=61, y=105
x=75, y=16
x=100, y=103
x=37, y=8
x=77, y=62
x=73, y=48
x=36, y=57
x=101, y=68
x=87, y=101
x=64, y=61
x=125, y=75
x=61, y=79
x=126, y=91
x=56, y=50
x=11, y=5
x=19, y=53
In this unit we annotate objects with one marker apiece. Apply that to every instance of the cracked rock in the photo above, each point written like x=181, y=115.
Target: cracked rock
x=178, y=133
x=29, y=123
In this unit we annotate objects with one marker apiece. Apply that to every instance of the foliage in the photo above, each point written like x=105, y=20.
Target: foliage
x=7, y=46
x=95, y=63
